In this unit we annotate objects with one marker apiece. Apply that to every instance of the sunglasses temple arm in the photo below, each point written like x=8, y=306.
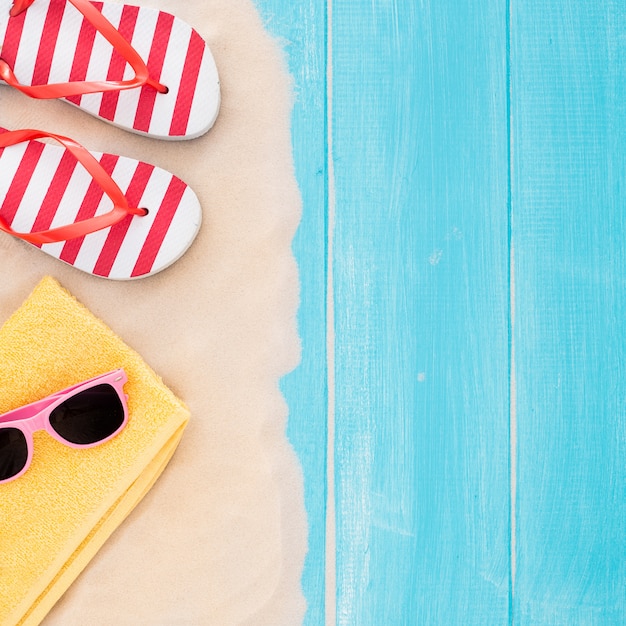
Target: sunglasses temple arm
x=27, y=412
x=30, y=410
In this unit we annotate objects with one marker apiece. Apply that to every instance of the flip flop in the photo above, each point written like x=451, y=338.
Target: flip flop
x=138, y=68
x=113, y=217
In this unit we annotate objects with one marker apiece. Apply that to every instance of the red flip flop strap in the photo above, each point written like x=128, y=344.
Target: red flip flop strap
x=19, y=6
x=78, y=88
x=88, y=161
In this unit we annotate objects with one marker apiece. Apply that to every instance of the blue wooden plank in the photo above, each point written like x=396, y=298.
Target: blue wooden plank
x=301, y=27
x=421, y=297
x=569, y=115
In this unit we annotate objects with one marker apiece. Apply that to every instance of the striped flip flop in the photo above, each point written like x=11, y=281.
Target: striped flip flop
x=111, y=216
x=141, y=69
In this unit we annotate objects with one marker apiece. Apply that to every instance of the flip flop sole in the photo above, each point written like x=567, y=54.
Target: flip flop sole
x=42, y=186
x=51, y=42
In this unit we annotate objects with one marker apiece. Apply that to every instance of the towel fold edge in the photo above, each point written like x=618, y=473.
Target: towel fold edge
x=99, y=527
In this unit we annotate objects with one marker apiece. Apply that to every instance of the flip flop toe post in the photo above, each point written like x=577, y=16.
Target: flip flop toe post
x=138, y=68
x=107, y=215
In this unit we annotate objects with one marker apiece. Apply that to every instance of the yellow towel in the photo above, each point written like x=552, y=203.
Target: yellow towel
x=56, y=516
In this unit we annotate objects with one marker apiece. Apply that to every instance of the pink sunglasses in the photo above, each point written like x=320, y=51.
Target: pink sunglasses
x=81, y=416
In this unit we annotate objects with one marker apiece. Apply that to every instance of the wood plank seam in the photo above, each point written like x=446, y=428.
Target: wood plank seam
x=511, y=323
x=331, y=544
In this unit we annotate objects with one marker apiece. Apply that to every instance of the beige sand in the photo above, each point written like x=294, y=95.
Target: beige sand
x=222, y=536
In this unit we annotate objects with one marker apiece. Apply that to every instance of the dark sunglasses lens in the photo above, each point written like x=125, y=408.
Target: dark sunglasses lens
x=13, y=452
x=90, y=416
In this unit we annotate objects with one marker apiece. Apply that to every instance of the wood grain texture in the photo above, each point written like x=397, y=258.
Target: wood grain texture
x=421, y=304
x=569, y=227
x=301, y=29
x=471, y=143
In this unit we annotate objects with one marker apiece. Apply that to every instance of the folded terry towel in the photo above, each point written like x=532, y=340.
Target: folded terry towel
x=59, y=513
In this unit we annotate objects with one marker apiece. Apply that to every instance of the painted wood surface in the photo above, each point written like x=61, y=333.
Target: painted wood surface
x=569, y=233
x=421, y=308
x=459, y=410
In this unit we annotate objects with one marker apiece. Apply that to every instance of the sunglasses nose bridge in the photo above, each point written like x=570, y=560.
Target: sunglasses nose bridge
x=33, y=424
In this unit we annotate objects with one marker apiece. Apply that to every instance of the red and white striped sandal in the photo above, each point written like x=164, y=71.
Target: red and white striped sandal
x=141, y=69
x=113, y=217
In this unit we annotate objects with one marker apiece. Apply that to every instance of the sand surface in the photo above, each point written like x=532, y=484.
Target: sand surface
x=221, y=538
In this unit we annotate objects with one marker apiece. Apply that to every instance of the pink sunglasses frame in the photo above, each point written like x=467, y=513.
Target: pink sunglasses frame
x=36, y=415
